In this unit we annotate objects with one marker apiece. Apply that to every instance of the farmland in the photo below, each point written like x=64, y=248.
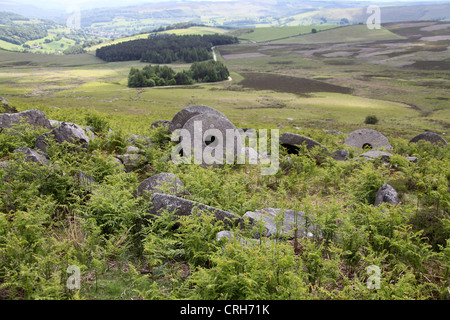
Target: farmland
x=307, y=84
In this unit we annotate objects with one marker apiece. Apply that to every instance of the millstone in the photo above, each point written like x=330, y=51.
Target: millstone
x=430, y=137
x=214, y=139
x=184, y=115
x=370, y=138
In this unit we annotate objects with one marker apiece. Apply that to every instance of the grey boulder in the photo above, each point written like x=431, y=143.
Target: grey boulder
x=164, y=182
x=69, y=132
x=293, y=141
x=279, y=223
x=430, y=137
x=183, y=207
x=34, y=117
x=340, y=155
x=132, y=161
x=386, y=194
x=32, y=155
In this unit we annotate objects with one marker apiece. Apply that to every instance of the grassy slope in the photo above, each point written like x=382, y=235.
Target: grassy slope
x=268, y=34
x=340, y=35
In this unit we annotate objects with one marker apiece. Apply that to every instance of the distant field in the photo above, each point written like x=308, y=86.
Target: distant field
x=196, y=30
x=343, y=34
x=269, y=34
x=9, y=58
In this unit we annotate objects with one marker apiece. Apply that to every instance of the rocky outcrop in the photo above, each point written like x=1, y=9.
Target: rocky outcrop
x=69, y=132
x=34, y=117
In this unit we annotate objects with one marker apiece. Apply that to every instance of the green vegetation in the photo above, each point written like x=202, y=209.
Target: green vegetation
x=342, y=35
x=269, y=34
x=150, y=76
x=50, y=219
x=165, y=48
x=371, y=120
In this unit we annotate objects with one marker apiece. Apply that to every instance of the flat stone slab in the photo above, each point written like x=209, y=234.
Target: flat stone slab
x=292, y=139
x=34, y=117
x=377, y=154
x=164, y=182
x=288, y=220
x=363, y=138
x=187, y=113
x=184, y=207
x=430, y=137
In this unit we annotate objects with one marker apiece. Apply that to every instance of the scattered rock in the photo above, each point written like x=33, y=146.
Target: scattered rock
x=161, y=123
x=69, y=132
x=333, y=132
x=430, y=137
x=269, y=217
x=230, y=236
x=165, y=182
x=133, y=149
x=367, y=138
x=132, y=161
x=55, y=123
x=386, y=194
x=4, y=100
x=293, y=141
x=377, y=154
x=183, y=207
x=412, y=159
x=4, y=164
x=32, y=155
x=137, y=141
x=187, y=113
x=340, y=155
x=34, y=117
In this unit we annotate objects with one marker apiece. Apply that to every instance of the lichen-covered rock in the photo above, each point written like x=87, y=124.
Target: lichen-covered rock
x=32, y=155
x=340, y=155
x=386, y=194
x=69, y=132
x=430, y=137
x=278, y=222
x=183, y=207
x=132, y=161
x=377, y=154
x=164, y=182
x=34, y=117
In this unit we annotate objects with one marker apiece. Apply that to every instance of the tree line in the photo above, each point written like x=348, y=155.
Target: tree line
x=165, y=48
x=150, y=76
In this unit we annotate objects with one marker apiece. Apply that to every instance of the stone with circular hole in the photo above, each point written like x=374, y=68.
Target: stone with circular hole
x=367, y=139
x=209, y=143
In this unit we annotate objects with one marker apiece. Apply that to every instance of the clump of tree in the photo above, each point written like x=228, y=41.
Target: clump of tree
x=164, y=48
x=151, y=76
x=371, y=119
